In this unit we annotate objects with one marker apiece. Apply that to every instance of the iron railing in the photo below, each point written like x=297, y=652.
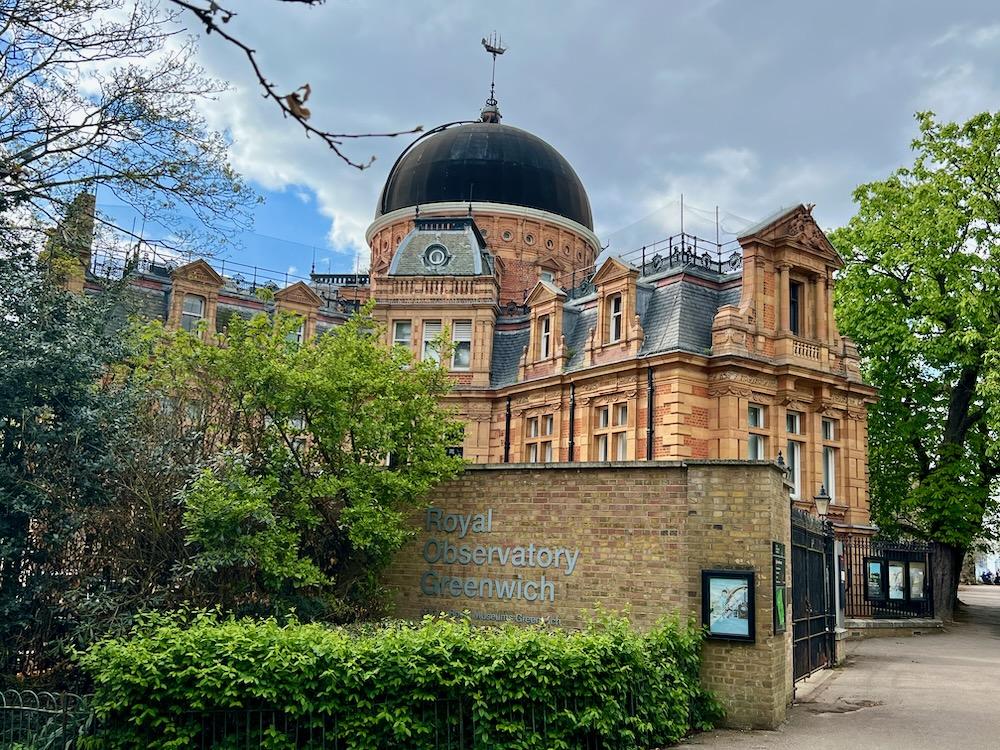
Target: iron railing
x=239, y=279
x=39, y=720
x=683, y=249
x=888, y=579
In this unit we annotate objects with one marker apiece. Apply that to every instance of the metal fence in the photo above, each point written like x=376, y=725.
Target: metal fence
x=41, y=720
x=36, y=721
x=888, y=579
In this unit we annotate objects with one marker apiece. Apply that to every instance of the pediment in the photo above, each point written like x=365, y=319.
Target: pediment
x=198, y=272
x=544, y=291
x=611, y=270
x=796, y=226
x=551, y=262
x=299, y=293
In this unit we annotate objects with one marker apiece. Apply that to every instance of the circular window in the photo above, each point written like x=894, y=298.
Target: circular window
x=485, y=233
x=549, y=244
x=435, y=256
x=398, y=239
x=507, y=236
x=529, y=239
x=579, y=256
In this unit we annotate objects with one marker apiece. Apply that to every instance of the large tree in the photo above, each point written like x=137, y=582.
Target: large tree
x=106, y=93
x=920, y=295
x=269, y=474
x=58, y=424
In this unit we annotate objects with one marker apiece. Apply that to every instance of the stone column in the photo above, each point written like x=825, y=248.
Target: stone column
x=782, y=298
x=829, y=307
x=820, y=295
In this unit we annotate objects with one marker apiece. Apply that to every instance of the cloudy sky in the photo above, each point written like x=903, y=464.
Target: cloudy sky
x=744, y=105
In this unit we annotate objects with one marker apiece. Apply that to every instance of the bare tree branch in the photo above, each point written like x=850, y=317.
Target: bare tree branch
x=292, y=104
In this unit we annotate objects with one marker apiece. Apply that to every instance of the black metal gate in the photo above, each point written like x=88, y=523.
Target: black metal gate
x=813, y=602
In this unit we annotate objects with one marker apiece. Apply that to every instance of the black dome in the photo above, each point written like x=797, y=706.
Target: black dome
x=497, y=163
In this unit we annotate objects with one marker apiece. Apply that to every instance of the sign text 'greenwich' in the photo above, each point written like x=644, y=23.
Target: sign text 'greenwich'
x=533, y=556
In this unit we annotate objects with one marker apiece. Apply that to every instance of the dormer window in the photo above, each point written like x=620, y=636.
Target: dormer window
x=544, y=337
x=548, y=276
x=614, y=318
x=192, y=311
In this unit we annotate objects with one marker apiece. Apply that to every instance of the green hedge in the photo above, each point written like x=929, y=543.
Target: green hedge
x=442, y=683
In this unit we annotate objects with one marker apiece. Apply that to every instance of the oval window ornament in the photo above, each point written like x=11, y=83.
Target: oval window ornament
x=436, y=256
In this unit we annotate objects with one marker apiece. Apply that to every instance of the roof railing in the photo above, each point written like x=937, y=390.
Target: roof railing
x=682, y=249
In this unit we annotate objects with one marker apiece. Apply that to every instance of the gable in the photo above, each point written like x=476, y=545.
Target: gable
x=611, y=270
x=299, y=293
x=795, y=226
x=543, y=292
x=198, y=272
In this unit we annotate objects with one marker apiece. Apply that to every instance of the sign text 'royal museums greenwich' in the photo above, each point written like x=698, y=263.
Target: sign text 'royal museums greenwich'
x=455, y=543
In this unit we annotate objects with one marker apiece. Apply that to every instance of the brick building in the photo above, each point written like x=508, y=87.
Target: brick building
x=696, y=351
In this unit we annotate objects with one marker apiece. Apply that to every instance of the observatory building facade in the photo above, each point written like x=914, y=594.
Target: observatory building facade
x=686, y=350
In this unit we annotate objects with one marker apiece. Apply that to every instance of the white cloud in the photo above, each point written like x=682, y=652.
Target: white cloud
x=974, y=36
x=958, y=91
x=646, y=100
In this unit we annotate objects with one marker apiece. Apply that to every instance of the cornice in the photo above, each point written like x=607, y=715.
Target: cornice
x=461, y=208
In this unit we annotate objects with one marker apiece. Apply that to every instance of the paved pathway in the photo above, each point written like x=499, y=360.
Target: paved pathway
x=929, y=692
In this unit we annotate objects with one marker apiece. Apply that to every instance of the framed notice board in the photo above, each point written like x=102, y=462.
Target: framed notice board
x=728, y=605
x=779, y=570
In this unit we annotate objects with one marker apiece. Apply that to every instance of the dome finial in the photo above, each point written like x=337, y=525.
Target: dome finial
x=494, y=46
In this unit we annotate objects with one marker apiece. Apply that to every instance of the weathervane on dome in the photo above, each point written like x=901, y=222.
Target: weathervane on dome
x=494, y=46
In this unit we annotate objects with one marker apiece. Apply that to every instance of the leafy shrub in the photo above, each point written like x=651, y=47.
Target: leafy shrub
x=397, y=685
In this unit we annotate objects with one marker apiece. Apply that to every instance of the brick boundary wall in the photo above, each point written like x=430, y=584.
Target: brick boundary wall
x=627, y=537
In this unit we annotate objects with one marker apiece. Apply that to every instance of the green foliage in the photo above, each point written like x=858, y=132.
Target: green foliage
x=921, y=297
x=401, y=685
x=277, y=453
x=148, y=470
x=59, y=418
x=231, y=521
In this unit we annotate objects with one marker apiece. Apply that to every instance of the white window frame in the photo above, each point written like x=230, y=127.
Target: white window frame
x=538, y=438
x=298, y=334
x=397, y=339
x=793, y=459
x=190, y=320
x=793, y=422
x=830, y=455
x=545, y=337
x=601, y=446
x=611, y=432
x=756, y=447
x=760, y=420
x=616, y=304
x=461, y=333
x=829, y=429
x=430, y=330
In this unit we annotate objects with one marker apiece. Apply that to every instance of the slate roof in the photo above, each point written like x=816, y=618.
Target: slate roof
x=466, y=255
x=768, y=220
x=675, y=317
x=507, y=349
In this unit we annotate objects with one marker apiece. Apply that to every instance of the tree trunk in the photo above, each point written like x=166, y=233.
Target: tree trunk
x=946, y=572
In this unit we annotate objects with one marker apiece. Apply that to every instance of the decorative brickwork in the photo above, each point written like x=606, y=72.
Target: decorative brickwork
x=642, y=533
